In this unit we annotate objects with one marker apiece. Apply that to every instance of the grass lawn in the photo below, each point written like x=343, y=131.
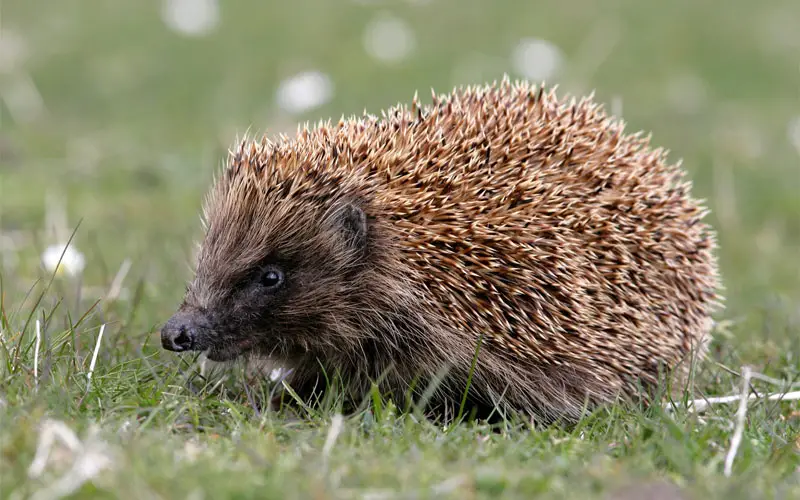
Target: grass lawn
x=114, y=123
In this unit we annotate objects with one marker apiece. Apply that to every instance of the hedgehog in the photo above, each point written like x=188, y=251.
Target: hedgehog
x=501, y=244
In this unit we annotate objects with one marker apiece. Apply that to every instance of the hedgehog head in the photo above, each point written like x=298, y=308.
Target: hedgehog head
x=282, y=265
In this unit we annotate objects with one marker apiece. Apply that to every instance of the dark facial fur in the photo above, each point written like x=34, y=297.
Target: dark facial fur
x=270, y=295
x=328, y=301
x=332, y=300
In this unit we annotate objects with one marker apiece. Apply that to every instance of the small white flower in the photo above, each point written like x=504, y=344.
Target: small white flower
x=276, y=374
x=388, y=39
x=191, y=17
x=536, y=59
x=304, y=91
x=72, y=262
x=793, y=132
x=12, y=51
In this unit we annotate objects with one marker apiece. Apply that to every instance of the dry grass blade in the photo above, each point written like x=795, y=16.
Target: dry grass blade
x=741, y=416
x=94, y=358
x=333, y=433
x=36, y=355
x=702, y=404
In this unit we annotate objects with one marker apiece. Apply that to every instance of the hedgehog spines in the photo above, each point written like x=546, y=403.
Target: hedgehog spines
x=501, y=212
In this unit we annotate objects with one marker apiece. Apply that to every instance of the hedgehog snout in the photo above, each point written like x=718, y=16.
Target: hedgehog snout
x=184, y=331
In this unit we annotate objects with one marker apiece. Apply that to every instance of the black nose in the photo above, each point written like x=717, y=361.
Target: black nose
x=180, y=333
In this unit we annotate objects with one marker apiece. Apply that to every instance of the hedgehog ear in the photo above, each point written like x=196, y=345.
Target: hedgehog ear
x=353, y=222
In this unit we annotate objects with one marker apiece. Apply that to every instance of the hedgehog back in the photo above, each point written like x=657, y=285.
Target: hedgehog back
x=528, y=220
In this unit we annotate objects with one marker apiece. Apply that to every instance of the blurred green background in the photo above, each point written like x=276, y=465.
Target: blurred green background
x=120, y=112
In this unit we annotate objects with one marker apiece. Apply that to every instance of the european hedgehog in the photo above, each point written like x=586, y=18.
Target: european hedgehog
x=386, y=249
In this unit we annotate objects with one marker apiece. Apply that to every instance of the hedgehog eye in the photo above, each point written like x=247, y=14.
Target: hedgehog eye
x=272, y=277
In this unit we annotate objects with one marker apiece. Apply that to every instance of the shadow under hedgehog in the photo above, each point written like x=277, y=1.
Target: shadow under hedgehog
x=385, y=249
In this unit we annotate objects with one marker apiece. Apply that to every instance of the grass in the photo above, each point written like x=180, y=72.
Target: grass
x=133, y=121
